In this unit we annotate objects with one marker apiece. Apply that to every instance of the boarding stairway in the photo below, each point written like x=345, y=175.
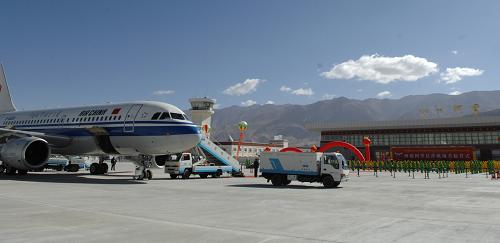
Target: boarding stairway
x=215, y=153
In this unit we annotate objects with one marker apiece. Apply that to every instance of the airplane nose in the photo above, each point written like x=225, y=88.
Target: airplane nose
x=196, y=137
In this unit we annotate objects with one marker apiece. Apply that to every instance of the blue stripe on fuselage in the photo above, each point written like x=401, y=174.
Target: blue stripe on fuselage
x=139, y=130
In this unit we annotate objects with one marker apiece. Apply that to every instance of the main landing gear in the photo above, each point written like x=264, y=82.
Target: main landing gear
x=8, y=170
x=142, y=170
x=98, y=168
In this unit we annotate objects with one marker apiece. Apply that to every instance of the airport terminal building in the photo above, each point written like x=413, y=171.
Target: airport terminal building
x=481, y=134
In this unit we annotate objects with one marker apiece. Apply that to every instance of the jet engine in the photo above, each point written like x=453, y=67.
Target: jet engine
x=159, y=161
x=25, y=153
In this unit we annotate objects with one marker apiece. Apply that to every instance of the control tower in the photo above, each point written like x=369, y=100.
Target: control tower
x=202, y=110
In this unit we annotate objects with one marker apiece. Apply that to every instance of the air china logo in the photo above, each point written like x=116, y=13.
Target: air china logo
x=116, y=111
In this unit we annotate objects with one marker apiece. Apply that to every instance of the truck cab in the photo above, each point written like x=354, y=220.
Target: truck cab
x=334, y=164
x=179, y=164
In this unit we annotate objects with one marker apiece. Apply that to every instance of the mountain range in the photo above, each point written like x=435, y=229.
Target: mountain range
x=288, y=120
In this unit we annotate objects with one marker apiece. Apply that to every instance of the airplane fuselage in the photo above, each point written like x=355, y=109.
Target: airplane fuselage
x=139, y=128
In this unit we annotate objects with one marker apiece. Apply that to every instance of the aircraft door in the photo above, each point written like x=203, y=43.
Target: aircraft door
x=129, y=123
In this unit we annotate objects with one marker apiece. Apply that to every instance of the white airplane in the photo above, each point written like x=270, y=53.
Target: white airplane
x=143, y=131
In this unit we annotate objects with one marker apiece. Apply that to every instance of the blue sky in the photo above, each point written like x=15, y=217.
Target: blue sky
x=66, y=53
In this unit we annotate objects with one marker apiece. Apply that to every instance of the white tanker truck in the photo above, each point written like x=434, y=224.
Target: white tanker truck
x=283, y=167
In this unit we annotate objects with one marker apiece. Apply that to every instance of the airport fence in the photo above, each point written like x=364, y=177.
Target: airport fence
x=441, y=168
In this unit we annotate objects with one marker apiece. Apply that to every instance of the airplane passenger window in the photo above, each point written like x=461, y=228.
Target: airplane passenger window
x=155, y=116
x=120, y=117
x=114, y=118
x=164, y=116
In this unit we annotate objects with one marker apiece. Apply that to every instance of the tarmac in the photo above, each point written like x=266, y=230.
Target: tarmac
x=78, y=207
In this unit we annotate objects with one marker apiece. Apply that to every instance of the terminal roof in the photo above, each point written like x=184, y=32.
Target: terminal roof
x=473, y=121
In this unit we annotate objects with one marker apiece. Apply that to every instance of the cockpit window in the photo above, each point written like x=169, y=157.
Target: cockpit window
x=177, y=116
x=164, y=116
x=155, y=116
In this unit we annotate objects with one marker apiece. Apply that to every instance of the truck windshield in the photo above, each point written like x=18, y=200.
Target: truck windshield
x=174, y=157
x=342, y=161
x=332, y=159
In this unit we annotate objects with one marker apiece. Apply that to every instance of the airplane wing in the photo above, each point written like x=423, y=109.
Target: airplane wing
x=53, y=139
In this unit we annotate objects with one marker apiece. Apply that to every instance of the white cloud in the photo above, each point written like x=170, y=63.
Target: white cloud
x=248, y=103
x=301, y=91
x=456, y=92
x=329, y=96
x=248, y=86
x=164, y=92
x=285, y=89
x=454, y=52
x=453, y=75
x=384, y=94
x=359, y=90
x=305, y=92
x=382, y=69
x=270, y=102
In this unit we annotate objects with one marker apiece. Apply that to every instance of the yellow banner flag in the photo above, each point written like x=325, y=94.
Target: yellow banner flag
x=457, y=108
x=475, y=108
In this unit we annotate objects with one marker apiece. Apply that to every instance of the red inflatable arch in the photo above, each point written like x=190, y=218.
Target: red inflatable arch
x=292, y=149
x=349, y=146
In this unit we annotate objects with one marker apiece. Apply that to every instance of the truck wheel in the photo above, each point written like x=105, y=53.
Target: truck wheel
x=329, y=182
x=94, y=169
x=2, y=169
x=60, y=168
x=149, y=174
x=104, y=168
x=173, y=176
x=277, y=181
x=203, y=176
x=70, y=168
x=217, y=174
x=186, y=174
x=287, y=182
